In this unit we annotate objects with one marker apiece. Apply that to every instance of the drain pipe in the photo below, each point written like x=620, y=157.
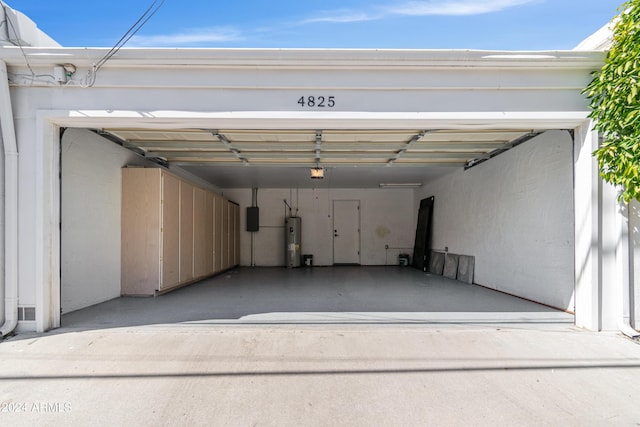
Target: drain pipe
x=10, y=147
x=623, y=258
x=254, y=204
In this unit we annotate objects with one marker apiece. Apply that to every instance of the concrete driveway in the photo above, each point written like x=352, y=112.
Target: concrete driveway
x=319, y=375
x=320, y=347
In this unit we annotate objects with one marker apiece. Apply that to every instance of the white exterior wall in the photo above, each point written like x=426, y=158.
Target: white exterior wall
x=514, y=213
x=634, y=251
x=587, y=196
x=91, y=216
x=2, y=241
x=30, y=199
x=91, y=213
x=387, y=217
x=218, y=89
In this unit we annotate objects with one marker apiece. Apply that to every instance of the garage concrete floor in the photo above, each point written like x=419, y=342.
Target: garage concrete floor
x=212, y=368
x=322, y=295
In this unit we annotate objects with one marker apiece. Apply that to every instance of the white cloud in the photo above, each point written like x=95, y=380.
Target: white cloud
x=341, y=17
x=418, y=8
x=455, y=7
x=220, y=35
x=195, y=37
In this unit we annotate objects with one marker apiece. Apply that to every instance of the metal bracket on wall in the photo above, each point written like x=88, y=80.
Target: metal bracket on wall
x=125, y=144
x=503, y=149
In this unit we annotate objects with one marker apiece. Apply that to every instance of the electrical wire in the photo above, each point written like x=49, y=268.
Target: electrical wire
x=33, y=78
x=90, y=78
x=30, y=78
x=4, y=24
x=132, y=31
x=5, y=21
x=10, y=24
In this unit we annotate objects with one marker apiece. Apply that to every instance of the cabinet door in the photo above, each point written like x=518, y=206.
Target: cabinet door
x=199, y=232
x=225, y=234
x=217, y=233
x=236, y=234
x=186, y=231
x=140, y=231
x=208, y=232
x=170, y=232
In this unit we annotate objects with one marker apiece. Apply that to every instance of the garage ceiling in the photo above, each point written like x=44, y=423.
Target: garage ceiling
x=351, y=158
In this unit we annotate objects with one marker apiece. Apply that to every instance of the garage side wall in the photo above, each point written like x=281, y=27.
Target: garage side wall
x=91, y=216
x=514, y=213
x=91, y=203
x=634, y=249
x=386, y=218
x=2, y=225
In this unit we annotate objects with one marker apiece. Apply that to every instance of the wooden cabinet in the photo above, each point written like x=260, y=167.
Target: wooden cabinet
x=173, y=232
x=186, y=231
x=217, y=240
x=225, y=234
x=169, y=232
x=235, y=229
x=202, y=232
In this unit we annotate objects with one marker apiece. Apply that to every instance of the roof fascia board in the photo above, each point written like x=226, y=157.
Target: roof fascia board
x=283, y=120
x=316, y=58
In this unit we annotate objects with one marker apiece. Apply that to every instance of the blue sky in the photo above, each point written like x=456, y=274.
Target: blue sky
x=408, y=24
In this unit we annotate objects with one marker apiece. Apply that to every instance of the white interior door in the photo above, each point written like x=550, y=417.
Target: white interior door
x=346, y=232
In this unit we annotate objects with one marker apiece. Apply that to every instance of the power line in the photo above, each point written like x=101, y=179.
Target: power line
x=146, y=16
x=10, y=24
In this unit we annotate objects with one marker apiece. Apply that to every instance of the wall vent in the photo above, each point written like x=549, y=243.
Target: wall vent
x=26, y=314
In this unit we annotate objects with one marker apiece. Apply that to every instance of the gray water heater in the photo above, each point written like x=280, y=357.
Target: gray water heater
x=292, y=238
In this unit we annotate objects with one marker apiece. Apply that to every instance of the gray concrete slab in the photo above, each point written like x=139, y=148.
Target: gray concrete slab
x=436, y=264
x=351, y=375
x=466, y=268
x=320, y=346
x=450, y=266
x=322, y=295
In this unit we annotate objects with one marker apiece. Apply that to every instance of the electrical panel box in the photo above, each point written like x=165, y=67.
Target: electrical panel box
x=253, y=219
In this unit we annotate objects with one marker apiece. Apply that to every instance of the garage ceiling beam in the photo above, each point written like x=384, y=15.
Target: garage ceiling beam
x=457, y=147
x=191, y=154
x=306, y=148
x=522, y=139
x=406, y=147
x=186, y=150
x=126, y=144
x=230, y=146
x=175, y=144
x=357, y=156
x=318, y=144
x=233, y=163
x=437, y=156
x=479, y=135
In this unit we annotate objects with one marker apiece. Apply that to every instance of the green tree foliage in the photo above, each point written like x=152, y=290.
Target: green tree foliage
x=615, y=104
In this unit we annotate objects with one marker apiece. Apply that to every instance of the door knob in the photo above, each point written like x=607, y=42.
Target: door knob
x=335, y=233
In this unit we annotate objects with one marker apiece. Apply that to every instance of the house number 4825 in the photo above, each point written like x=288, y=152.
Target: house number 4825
x=317, y=101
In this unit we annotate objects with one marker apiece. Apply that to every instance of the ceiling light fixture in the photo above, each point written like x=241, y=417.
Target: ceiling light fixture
x=317, y=173
x=401, y=185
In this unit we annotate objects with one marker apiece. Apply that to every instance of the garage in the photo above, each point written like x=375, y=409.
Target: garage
x=500, y=140
x=506, y=190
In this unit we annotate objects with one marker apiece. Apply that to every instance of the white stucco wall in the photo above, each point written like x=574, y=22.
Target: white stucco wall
x=386, y=217
x=2, y=244
x=514, y=213
x=29, y=178
x=249, y=89
x=634, y=252
x=91, y=203
x=91, y=208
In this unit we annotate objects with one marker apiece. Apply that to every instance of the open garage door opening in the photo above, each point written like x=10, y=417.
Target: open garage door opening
x=507, y=203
